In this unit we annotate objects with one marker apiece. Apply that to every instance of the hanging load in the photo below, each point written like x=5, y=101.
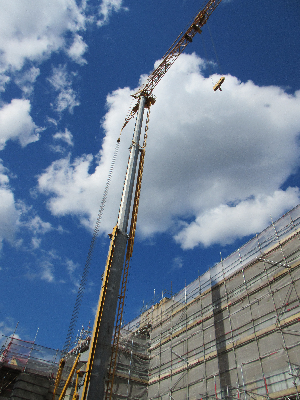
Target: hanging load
x=219, y=83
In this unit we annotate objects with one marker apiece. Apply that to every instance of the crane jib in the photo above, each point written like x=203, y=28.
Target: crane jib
x=172, y=54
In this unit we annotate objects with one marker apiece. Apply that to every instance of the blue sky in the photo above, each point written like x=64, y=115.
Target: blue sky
x=218, y=165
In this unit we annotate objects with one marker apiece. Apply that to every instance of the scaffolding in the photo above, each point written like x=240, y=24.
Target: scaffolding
x=234, y=332
x=20, y=359
x=131, y=378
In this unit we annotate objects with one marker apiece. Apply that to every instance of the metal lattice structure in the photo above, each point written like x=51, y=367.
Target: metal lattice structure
x=233, y=333
x=172, y=54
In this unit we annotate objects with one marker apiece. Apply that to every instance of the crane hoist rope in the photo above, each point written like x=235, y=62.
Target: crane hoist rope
x=70, y=335
x=215, y=50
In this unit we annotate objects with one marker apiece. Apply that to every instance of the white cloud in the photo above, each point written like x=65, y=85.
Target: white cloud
x=73, y=178
x=177, y=263
x=206, y=151
x=72, y=268
x=71, y=186
x=52, y=121
x=17, y=124
x=32, y=229
x=106, y=9
x=32, y=30
x=44, y=267
x=26, y=80
x=36, y=242
x=65, y=136
x=4, y=79
x=61, y=81
x=8, y=214
x=38, y=226
x=77, y=50
x=47, y=271
x=225, y=223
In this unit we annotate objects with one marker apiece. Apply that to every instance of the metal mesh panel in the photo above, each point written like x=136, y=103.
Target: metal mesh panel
x=28, y=356
x=233, y=332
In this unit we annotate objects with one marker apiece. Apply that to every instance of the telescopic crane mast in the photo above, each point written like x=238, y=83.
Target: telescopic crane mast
x=100, y=346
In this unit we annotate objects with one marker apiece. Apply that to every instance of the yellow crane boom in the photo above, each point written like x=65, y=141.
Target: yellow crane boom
x=172, y=54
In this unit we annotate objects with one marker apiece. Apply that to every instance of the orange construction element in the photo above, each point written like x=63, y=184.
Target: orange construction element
x=219, y=83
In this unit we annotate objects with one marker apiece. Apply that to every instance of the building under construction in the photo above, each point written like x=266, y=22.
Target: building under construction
x=232, y=333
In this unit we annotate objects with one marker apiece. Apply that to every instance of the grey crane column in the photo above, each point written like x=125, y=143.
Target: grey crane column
x=103, y=347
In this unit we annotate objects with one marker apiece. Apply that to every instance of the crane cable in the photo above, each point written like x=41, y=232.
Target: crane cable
x=208, y=62
x=70, y=335
x=214, y=47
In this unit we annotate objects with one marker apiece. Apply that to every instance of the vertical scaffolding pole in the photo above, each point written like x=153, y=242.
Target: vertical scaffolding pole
x=245, y=393
x=100, y=347
x=293, y=286
x=202, y=329
x=251, y=312
x=228, y=303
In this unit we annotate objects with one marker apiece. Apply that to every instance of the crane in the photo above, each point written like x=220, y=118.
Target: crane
x=121, y=244
x=183, y=39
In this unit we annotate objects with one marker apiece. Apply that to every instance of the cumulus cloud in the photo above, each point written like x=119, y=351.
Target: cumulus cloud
x=210, y=156
x=83, y=197
x=73, y=189
x=33, y=30
x=17, y=124
x=225, y=223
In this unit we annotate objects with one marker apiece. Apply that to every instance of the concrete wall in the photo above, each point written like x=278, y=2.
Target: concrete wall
x=240, y=337
x=31, y=387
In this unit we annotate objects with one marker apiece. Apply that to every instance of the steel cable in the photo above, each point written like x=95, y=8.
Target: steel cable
x=70, y=335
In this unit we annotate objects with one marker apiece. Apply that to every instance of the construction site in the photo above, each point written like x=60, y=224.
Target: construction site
x=233, y=333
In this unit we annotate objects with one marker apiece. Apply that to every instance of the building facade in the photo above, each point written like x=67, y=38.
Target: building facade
x=235, y=331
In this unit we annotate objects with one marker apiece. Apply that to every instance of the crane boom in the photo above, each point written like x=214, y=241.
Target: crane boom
x=172, y=54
